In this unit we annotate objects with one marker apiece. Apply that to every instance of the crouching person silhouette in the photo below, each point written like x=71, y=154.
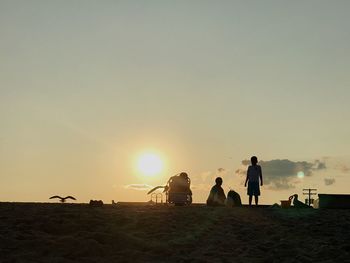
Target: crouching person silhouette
x=233, y=199
x=217, y=195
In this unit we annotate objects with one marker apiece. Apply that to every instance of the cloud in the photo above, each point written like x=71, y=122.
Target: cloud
x=343, y=168
x=319, y=165
x=246, y=162
x=139, y=187
x=241, y=171
x=205, y=180
x=204, y=176
x=200, y=187
x=220, y=170
x=282, y=174
x=329, y=181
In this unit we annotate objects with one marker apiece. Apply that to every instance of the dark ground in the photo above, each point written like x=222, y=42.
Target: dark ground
x=38, y=232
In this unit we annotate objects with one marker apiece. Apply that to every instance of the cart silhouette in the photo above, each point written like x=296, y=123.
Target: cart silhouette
x=177, y=190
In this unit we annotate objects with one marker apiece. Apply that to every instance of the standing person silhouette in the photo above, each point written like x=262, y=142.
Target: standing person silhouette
x=254, y=173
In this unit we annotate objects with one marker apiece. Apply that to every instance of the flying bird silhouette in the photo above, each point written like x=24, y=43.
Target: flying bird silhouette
x=63, y=199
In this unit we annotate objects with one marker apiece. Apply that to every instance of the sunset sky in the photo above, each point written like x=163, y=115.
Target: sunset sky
x=87, y=87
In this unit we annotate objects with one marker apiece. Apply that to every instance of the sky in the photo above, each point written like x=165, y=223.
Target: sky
x=88, y=86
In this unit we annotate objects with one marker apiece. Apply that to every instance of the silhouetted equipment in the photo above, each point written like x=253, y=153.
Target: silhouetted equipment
x=309, y=192
x=96, y=203
x=177, y=190
x=62, y=199
x=286, y=203
x=297, y=203
x=155, y=188
x=157, y=198
x=339, y=201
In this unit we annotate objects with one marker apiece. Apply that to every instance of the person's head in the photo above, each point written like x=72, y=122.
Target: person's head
x=254, y=160
x=184, y=175
x=218, y=181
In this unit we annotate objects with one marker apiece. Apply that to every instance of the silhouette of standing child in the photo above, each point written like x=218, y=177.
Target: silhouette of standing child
x=254, y=173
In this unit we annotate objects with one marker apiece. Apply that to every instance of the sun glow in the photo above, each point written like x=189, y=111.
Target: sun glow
x=149, y=164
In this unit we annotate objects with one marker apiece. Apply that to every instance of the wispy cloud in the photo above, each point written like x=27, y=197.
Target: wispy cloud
x=329, y=181
x=221, y=170
x=282, y=174
x=200, y=187
x=343, y=168
x=138, y=187
x=205, y=180
x=204, y=176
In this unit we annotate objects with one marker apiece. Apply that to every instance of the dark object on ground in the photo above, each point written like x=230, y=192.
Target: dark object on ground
x=334, y=201
x=177, y=190
x=286, y=203
x=275, y=205
x=233, y=199
x=63, y=199
x=96, y=203
x=297, y=203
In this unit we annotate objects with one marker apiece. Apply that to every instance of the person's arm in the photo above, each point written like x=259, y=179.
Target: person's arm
x=222, y=195
x=210, y=199
x=261, y=177
x=246, y=180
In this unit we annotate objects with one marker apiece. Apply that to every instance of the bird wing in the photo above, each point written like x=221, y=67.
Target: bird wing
x=55, y=196
x=70, y=197
x=155, y=188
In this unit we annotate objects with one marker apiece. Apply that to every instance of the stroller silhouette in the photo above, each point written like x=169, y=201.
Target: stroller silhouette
x=177, y=190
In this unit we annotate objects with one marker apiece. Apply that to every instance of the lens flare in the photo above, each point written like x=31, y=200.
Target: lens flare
x=300, y=174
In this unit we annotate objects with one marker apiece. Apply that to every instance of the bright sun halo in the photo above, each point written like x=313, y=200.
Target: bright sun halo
x=149, y=164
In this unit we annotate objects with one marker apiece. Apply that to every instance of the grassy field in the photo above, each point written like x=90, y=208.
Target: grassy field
x=39, y=232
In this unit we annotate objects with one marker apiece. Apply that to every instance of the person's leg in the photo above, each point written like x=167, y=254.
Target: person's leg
x=250, y=200
x=256, y=199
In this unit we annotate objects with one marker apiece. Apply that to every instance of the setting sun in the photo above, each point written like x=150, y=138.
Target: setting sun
x=149, y=164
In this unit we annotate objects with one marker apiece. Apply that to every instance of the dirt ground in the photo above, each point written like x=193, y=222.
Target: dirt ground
x=38, y=232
